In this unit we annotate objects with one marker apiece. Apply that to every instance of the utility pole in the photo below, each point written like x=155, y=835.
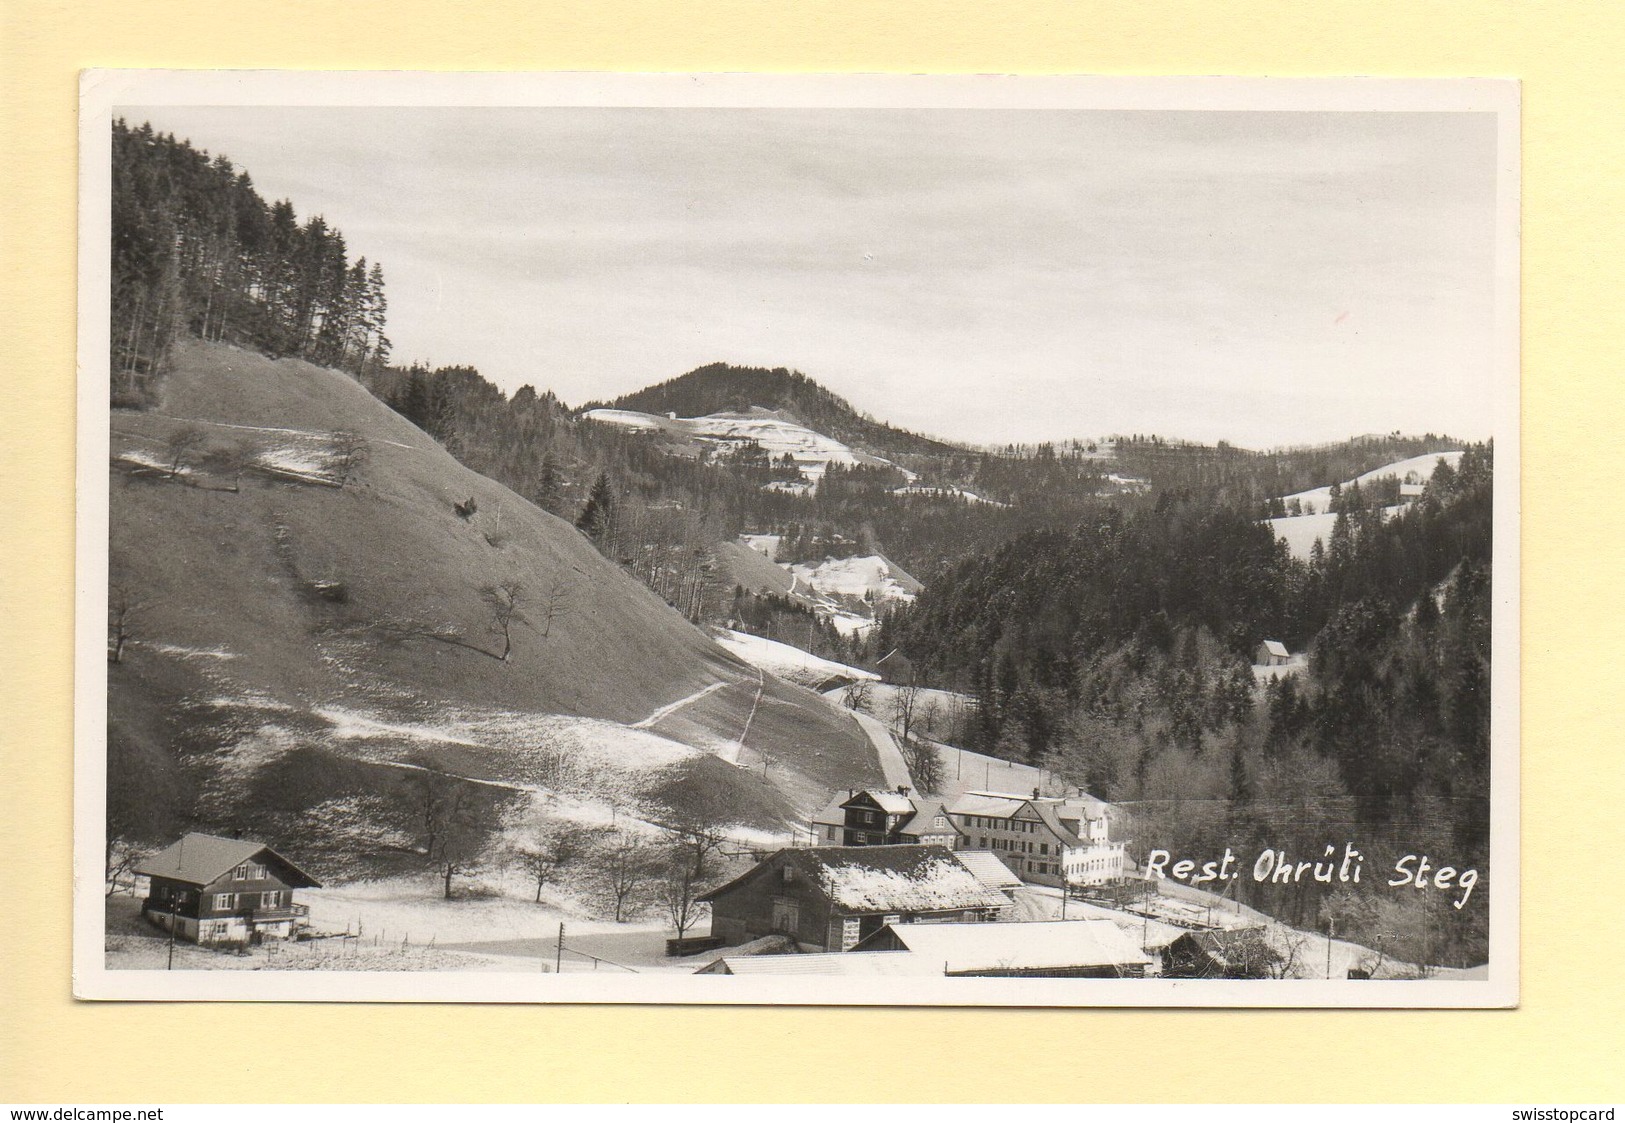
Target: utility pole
x=558, y=956
x=1331, y=931
x=172, y=908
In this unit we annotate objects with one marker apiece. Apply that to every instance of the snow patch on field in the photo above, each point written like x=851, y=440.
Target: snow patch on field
x=765, y=544
x=349, y=725
x=181, y=652
x=625, y=418
x=1302, y=531
x=789, y=663
x=873, y=579
x=777, y=433
x=1416, y=469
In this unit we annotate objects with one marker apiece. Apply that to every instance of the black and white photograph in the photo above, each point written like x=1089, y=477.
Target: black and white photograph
x=724, y=539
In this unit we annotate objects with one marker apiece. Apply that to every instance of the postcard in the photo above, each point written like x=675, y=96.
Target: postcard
x=843, y=539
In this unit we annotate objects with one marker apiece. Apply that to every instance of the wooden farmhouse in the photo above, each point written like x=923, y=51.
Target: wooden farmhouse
x=885, y=818
x=216, y=891
x=830, y=897
x=1236, y=953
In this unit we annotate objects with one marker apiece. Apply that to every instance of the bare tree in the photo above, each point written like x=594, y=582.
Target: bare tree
x=924, y=763
x=857, y=695
x=905, y=703
x=681, y=888
x=700, y=826
x=626, y=862
x=451, y=837
x=122, y=609
x=350, y=453
x=505, y=599
x=122, y=856
x=548, y=851
x=183, y=448
x=555, y=604
x=1294, y=955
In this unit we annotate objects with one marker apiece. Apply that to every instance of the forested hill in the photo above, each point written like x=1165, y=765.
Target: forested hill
x=1118, y=653
x=719, y=388
x=197, y=252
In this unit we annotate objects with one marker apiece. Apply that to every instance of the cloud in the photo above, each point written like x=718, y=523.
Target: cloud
x=981, y=274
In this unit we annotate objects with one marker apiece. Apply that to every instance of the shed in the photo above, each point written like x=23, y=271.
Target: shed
x=1054, y=949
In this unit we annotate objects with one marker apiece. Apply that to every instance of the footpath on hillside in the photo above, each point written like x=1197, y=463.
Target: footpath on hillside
x=891, y=756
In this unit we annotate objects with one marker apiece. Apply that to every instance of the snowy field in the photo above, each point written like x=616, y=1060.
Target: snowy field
x=873, y=578
x=776, y=433
x=789, y=663
x=1416, y=469
x=1302, y=531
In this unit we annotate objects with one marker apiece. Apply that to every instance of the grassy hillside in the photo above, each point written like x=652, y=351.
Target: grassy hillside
x=310, y=613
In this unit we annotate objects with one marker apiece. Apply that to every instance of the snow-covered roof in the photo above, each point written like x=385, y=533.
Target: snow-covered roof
x=198, y=859
x=986, y=803
x=892, y=803
x=1038, y=945
x=1276, y=647
x=989, y=869
x=825, y=963
x=909, y=877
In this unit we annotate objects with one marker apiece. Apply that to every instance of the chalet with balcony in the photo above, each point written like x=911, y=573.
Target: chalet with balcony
x=885, y=818
x=830, y=897
x=214, y=891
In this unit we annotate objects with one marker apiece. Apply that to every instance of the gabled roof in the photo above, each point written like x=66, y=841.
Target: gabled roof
x=879, y=879
x=892, y=803
x=833, y=813
x=924, y=821
x=1276, y=647
x=989, y=869
x=987, y=803
x=1038, y=945
x=1050, y=814
x=199, y=859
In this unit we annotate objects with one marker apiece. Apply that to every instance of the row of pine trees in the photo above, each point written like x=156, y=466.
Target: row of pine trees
x=197, y=252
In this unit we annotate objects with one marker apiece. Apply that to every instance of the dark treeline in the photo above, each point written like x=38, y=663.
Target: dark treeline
x=1242, y=478
x=1119, y=655
x=196, y=251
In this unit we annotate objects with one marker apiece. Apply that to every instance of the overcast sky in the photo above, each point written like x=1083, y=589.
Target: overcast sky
x=983, y=275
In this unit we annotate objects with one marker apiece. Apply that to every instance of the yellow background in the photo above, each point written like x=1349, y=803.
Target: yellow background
x=1559, y=1046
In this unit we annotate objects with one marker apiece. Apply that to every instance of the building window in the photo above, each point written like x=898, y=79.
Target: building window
x=829, y=832
x=790, y=874
x=271, y=900
x=224, y=901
